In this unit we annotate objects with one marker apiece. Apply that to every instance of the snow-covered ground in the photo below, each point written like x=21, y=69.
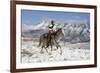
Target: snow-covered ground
x=30, y=52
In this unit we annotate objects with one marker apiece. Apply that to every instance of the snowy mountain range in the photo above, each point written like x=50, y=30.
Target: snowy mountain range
x=74, y=30
x=45, y=24
x=42, y=25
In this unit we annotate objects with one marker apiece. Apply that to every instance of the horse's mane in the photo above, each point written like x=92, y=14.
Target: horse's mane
x=58, y=30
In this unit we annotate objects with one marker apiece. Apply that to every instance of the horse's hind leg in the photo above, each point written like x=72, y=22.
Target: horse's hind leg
x=43, y=46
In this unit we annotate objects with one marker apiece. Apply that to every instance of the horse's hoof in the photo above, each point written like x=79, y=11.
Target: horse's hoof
x=30, y=55
x=41, y=52
x=61, y=53
x=55, y=49
x=50, y=53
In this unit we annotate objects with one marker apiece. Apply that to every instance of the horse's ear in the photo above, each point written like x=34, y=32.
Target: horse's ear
x=65, y=24
x=62, y=25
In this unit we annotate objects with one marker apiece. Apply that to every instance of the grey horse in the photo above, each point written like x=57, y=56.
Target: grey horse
x=56, y=37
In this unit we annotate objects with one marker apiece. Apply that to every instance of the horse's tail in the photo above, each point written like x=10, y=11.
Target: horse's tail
x=40, y=41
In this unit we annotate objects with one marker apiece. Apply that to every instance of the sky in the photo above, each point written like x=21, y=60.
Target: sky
x=36, y=16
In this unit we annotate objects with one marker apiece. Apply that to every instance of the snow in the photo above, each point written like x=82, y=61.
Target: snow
x=30, y=53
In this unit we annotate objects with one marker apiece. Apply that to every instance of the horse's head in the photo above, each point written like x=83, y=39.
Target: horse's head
x=62, y=30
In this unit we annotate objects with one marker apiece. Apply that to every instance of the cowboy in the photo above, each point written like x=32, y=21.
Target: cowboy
x=52, y=29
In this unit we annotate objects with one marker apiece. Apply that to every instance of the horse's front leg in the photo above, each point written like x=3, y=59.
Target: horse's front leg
x=58, y=46
x=50, y=48
x=46, y=47
x=60, y=50
x=48, y=51
x=43, y=46
x=41, y=51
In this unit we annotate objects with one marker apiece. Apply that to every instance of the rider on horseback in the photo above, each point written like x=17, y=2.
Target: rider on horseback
x=52, y=29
